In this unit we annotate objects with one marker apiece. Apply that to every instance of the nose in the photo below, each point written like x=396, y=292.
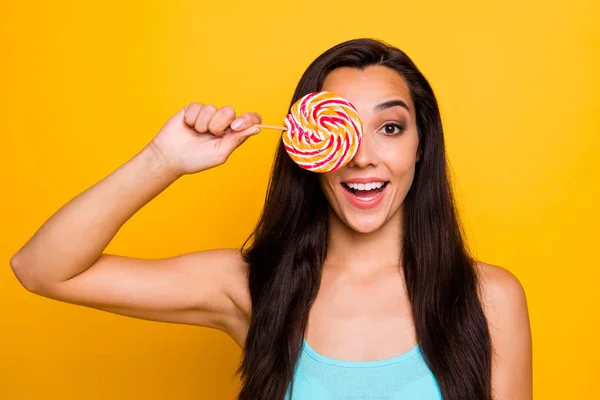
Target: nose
x=365, y=155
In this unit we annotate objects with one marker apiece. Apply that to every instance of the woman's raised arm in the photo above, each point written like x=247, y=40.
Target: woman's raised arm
x=64, y=259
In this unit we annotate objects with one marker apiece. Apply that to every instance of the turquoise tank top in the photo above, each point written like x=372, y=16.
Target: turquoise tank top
x=403, y=377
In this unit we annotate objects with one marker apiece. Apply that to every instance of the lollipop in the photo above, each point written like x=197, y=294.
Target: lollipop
x=323, y=132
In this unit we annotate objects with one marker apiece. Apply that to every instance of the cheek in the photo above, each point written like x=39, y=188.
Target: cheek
x=400, y=151
x=327, y=182
x=400, y=160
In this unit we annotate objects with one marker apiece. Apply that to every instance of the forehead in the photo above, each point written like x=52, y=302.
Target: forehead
x=368, y=87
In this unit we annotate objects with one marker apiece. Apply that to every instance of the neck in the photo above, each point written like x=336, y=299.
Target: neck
x=364, y=253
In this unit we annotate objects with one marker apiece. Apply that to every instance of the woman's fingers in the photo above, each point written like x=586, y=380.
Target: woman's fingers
x=245, y=121
x=207, y=112
x=241, y=129
x=206, y=118
x=191, y=113
x=221, y=120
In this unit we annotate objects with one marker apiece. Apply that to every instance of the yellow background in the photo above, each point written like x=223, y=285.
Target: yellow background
x=85, y=85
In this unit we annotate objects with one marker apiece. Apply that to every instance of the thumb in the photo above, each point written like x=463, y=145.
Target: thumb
x=232, y=139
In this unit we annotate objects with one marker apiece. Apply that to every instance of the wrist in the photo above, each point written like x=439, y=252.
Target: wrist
x=160, y=163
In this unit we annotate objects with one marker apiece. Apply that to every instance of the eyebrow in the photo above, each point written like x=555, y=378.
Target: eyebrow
x=389, y=104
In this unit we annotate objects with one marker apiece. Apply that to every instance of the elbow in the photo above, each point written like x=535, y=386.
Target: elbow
x=23, y=274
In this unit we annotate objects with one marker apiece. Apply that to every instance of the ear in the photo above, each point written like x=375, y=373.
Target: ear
x=419, y=153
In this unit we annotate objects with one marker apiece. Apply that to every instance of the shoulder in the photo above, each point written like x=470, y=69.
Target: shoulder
x=505, y=306
x=499, y=285
x=502, y=294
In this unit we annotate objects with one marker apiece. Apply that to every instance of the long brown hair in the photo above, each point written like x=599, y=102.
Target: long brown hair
x=287, y=250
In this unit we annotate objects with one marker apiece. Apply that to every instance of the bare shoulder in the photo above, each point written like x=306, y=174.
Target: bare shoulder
x=505, y=305
x=500, y=287
x=502, y=296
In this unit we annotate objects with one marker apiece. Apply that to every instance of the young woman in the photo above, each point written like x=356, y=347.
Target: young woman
x=355, y=284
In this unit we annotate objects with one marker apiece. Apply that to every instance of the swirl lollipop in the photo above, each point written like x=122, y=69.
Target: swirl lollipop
x=322, y=132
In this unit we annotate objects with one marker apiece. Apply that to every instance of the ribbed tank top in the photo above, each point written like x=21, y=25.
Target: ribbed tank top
x=402, y=377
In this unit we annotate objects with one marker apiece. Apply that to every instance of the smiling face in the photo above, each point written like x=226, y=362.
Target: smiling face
x=369, y=191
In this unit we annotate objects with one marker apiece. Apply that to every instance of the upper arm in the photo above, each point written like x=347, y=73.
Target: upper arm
x=505, y=306
x=206, y=288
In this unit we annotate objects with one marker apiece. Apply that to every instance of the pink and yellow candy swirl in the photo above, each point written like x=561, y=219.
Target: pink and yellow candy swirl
x=323, y=132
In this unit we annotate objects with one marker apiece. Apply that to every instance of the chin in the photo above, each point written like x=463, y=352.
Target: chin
x=364, y=223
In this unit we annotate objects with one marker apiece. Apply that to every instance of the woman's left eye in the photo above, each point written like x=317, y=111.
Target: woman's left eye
x=393, y=128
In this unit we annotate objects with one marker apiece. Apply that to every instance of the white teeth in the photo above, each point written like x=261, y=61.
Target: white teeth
x=365, y=186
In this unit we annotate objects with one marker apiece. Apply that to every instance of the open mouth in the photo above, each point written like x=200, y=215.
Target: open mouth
x=365, y=191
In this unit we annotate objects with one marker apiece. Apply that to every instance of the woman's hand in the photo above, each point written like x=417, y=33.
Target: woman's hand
x=200, y=137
